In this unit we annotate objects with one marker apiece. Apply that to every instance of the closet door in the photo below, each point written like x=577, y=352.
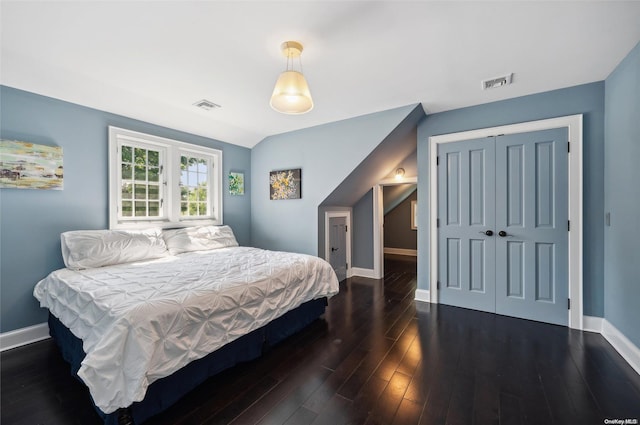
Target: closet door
x=466, y=239
x=531, y=225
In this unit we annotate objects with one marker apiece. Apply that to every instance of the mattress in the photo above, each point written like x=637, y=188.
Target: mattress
x=140, y=322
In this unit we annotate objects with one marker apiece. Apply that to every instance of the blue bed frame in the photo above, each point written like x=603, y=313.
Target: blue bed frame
x=166, y=391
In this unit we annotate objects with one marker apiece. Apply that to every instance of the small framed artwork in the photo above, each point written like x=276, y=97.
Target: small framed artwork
x=285, y=184
x=236, y=183
x=414, y=215
x=26, y=165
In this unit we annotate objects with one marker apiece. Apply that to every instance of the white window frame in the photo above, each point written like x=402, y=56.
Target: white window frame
x=171, y=151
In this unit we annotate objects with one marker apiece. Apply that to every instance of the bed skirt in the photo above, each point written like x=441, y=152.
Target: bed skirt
x=166, y=391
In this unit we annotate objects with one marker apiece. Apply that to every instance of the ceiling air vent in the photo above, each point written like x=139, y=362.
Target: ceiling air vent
x=207, y=105
x=493, y=83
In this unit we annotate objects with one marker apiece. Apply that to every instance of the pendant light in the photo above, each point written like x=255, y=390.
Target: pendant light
x=291, y=94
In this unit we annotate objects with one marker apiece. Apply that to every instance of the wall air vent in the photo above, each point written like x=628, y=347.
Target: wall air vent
x=496, y=82
x=207, y=105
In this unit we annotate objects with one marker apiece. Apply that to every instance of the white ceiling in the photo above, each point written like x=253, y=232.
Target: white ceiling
x=151, y=60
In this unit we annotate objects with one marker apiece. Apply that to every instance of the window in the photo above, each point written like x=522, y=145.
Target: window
x=162, y=182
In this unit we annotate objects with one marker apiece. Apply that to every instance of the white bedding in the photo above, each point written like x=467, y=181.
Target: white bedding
x=140, y=322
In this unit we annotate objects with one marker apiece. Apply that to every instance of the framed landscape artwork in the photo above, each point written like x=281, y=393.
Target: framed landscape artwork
x=285, y=184
x=26, y=165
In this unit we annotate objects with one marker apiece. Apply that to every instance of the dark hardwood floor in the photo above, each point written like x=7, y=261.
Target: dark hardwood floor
x=378, y=357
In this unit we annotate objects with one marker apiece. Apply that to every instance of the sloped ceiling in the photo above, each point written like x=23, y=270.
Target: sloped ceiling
x=398, y=145
x=151, y=60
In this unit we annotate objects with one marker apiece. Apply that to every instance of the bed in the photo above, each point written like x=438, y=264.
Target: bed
x=144, y=317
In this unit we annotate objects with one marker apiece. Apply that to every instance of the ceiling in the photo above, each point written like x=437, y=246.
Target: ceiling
x=151, y=60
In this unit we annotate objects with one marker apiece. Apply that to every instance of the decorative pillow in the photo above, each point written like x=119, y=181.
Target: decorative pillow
x=199, y=238
x=82, y=249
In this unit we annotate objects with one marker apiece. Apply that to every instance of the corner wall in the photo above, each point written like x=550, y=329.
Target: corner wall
x=32, y=220
x=622, y=180
x=327, y=154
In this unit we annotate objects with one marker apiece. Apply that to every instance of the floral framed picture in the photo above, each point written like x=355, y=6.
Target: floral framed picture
x=285, y=184
x=236, y=183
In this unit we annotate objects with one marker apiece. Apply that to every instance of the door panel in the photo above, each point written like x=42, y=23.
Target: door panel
x=467, y=210
x=532, y=208
x=338, y=246
x=515, y=186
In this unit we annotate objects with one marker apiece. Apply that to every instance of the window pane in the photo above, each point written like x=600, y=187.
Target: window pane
x=126, y=172
x=202, y=210
x=202, y=178
x=154, y=209
x=141, y=172
x=193, y=208
x=126, y=154
x=183, y=208
x=154, y=158
x=154, y=174
x=202, y=166
x=193, y=178
x=127, y=190
x=141, y=209
x=183, y=163
x=184, y=193
x=154, y=191
x=141, y=157
x=140, y=192
x=202, y=193
x=127, y=206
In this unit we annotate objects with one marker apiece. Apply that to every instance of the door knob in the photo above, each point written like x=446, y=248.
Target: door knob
x=502, y=233
x=488, y=232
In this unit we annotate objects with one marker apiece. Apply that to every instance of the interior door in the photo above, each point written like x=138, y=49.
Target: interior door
x=466, y=216
x=503, y=215
x=338, y=246
x=532, y=225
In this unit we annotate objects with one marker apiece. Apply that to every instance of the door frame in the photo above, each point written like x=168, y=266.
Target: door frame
x=575, y=171
x=327, y=235
x=378, y=222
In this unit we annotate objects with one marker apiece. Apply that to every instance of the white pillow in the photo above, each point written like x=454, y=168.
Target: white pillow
x=199, y=238
x=82, y=249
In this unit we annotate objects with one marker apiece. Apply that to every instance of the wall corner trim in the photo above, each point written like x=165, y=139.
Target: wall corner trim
x=422, y=295
x=627, y=349
x=23, y=336
x=592, y=324
x=368, y=273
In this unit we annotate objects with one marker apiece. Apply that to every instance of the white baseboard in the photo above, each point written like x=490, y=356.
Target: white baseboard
x=401, y=251
x=24, y=336
x=422, y=295
x=357, y=271
x=592, y=324
x=621, y=343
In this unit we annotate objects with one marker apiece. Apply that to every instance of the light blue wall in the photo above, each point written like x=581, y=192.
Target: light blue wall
x=362, y=249
x=622, y=180
x=586, y=99
x=327, y=154
x=32, y=220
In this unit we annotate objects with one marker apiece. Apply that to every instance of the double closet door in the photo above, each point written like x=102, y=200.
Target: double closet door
x=503, y=225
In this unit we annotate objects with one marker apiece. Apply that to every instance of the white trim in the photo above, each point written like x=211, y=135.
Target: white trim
x=401, y=251
x=23, y=336
x=368, y=273
x=332, y=214
x=422, y=295
x=574, y=125
x=627, y=349
x=378, y=221
x=592, y=324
